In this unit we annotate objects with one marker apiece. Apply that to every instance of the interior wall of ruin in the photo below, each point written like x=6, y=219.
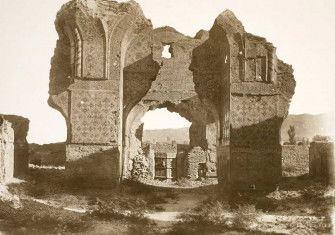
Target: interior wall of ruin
x=151, y=81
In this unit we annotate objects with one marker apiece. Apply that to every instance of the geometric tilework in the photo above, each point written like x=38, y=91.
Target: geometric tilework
x=92, y=117
x=250, y=110
x=254, y=121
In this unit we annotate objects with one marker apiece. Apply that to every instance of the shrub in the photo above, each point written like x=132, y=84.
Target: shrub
x=37, y=190
x=184, y=182
x=216, y=216
x=210, y=213
x=60, y=222
x=316, y=191
x=158, y=208
x=156, y=199
x=215, y=213
x=186, y=229
x=171, y=194
x=43, y=218
x=245, y=216
x=118, y=208
x=135, y=188
x=291, y=134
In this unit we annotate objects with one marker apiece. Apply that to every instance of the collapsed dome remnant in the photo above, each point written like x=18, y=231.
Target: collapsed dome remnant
x=108, y=70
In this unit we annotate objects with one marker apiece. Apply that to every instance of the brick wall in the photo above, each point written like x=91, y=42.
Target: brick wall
x=321, y=160
x=6, y=151
x=295, y=160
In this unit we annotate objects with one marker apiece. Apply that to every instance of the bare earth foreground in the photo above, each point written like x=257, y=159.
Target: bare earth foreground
x=46, y=203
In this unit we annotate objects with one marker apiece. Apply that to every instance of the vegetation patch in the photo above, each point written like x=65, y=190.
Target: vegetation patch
x=218, y=216
x=120, y=208
x=34, y=216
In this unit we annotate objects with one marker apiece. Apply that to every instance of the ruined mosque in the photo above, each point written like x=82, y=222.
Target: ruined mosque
x=108, y=71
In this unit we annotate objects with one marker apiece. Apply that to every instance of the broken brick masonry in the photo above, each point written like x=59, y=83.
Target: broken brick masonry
x=13, y=147
x=108, y=71
x=6, y=151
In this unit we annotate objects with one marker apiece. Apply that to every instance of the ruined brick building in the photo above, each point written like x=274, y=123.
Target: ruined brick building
x=108, y=71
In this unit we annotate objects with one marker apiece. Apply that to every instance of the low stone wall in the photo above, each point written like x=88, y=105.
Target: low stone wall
x=21, y=148
x=6, y=151
x=295, y=160
x=321, y=160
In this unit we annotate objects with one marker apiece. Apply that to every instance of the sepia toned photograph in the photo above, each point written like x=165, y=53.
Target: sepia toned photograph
x=176, y=117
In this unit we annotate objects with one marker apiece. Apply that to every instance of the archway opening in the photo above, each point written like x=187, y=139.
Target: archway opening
x=170, y=146
x=163, y=126
x=165, y=143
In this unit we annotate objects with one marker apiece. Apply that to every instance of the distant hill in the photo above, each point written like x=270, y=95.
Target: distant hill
x=180, y=135
x=48, y=154
x=306, y=125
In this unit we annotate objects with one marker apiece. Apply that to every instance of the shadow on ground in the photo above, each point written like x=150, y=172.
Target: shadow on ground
x=54, y=204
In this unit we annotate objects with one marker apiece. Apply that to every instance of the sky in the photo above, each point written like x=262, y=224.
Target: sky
x=153, y=120
x=302, y=31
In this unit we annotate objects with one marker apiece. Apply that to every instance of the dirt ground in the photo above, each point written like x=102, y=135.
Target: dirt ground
x=49, y=204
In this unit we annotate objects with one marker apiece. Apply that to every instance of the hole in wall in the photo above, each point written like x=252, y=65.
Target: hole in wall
x=167, y=52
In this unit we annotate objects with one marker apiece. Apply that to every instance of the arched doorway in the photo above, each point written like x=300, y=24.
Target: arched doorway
x=170, y=159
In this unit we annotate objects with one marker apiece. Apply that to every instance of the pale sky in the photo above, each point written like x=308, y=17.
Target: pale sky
x=302, y=31
x=153, y=120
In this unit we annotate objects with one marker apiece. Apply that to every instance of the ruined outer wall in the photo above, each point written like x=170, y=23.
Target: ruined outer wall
x=321, y=161
x=21, y=148
x=295, y=160
x=6, y=151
